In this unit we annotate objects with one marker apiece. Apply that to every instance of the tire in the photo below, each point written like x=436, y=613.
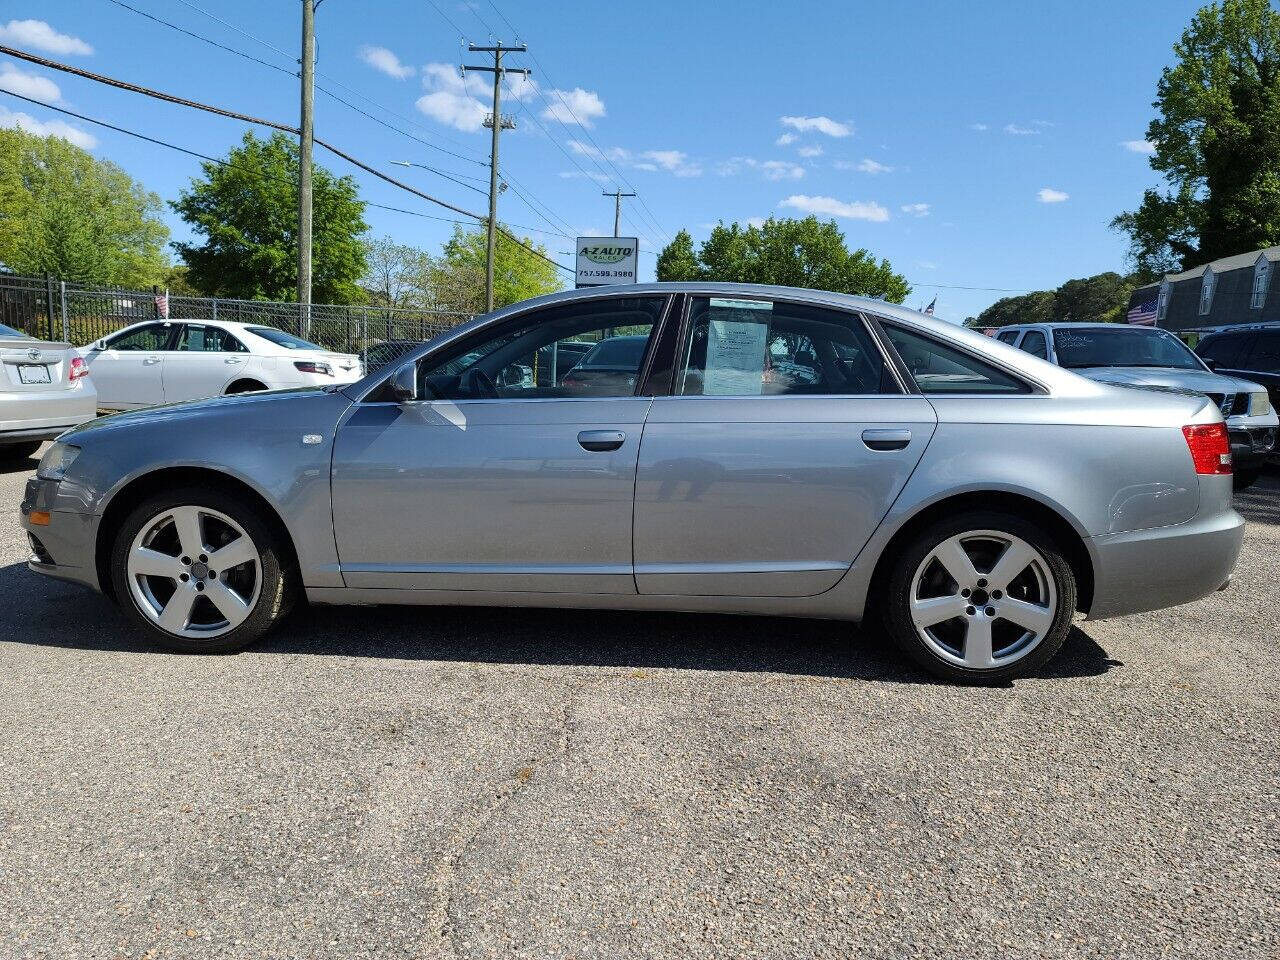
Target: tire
x=257, y=592
x=15, y=452
x=1243, y=479
x=921, y=588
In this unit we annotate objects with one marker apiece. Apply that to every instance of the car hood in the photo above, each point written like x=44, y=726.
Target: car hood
x=192, y=409
x=1166, y=378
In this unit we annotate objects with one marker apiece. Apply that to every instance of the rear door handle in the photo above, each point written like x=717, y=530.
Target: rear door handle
x=233, y=360
x=886, y=439
x=148, y=361
x=600, y=441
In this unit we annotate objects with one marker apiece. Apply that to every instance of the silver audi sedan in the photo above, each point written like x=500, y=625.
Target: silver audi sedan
x=762, y=451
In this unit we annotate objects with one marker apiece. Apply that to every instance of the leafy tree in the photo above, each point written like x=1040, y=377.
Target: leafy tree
x=796, y=253
x=677, y=261
x=457, y=277
x=1217, y=142
x=397, y=275
x=246, y=209
x=1099, y=299
x=65, y=212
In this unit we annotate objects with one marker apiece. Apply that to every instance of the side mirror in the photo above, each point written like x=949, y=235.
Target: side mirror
x=1211, y=364
x=404, y=383
x=100, y=345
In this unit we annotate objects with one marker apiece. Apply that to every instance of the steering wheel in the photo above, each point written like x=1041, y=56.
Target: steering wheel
x=479, y=384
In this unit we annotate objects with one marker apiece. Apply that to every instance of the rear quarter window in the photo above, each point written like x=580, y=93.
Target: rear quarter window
x=941, y=369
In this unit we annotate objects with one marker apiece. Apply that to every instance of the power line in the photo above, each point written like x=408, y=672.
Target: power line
x=246, y=118
x=243, y=33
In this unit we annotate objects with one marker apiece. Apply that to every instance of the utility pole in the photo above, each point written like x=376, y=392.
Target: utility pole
x=304, y=167
x=497, y=123
x=617, y=207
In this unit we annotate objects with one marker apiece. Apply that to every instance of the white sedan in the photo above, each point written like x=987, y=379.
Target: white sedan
x=164, y=361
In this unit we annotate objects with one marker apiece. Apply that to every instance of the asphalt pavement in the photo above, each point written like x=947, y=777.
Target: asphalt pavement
x=451, y=783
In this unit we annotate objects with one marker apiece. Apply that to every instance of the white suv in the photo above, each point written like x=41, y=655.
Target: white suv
x=164, y=361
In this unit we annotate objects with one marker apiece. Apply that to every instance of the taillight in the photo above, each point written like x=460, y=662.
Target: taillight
x=1210, y=447
x=312, y=366
x=78, y=369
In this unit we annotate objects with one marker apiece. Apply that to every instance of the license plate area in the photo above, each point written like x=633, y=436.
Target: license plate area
x=33, y=373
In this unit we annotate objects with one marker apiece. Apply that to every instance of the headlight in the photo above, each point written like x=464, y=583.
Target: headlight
x=1259, y=404
x=56, y=460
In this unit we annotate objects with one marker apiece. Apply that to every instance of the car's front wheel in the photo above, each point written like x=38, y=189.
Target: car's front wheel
x=200, y=571
x=981, y=598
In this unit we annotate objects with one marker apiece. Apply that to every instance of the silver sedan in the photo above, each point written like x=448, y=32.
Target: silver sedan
x=768, y=451
x=44, y=389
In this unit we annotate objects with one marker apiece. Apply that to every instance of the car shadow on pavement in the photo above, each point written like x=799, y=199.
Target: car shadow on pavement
x=19, y=465
x=61, y=615
x=1261, y=502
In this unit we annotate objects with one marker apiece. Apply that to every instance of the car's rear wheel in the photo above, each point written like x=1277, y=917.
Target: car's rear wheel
x=201, y=572
x=15, y=452
x=1242, y=479
x=981, y=598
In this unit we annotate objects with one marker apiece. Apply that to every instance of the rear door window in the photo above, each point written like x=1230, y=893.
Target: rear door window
x=739, y=347
x=198, y=338
x=1265, y=356
x=1035, y=344
x=942, y=369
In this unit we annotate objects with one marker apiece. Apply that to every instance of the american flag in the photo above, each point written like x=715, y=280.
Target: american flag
x=1144, y=314
x=928, y=311
x=162, y=305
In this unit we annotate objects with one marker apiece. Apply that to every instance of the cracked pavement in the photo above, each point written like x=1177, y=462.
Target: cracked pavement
x=501, y=783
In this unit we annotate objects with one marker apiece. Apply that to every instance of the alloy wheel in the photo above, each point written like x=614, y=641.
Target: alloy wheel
x=194, y=572
x=983, y=599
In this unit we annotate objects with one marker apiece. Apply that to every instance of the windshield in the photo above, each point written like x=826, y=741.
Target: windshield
x=10, y=332
x=286, y=340
x=1122, y=347
x=624, y=352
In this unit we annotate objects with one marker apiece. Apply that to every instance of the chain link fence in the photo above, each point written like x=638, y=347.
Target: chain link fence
x=51, y=309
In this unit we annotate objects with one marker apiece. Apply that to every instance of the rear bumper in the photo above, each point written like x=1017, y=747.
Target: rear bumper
x=64, y=547
x=1164, y=567
x=44, y=415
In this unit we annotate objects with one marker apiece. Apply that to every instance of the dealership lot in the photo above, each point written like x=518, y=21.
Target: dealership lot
x=458, y=783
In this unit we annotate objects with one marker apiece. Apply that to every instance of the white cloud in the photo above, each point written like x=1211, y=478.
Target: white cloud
x=1049, y=195
x=832, y=128
x=573, y=106
x=926, y=265
x=813, y=151
x=52, y=128
x=672, y=161
x=785, y=139
x=1017, y=131
x=384, y=61
x=1139, y=146
x=756, y=222
x=32, y=85
x=447, y=99
x=980, y=127
x=576, y=174
x=38, y=34
x=868, y=165
x=589, y=150
x=916, y=209
x=830, y=206
x=781, y=170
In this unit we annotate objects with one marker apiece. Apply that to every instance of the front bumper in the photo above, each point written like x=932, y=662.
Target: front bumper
x=1250, y=447
x=1165, y=566
x=63, y=547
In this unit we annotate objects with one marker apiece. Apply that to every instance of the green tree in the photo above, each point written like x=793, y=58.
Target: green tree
x=794, y=253
x=457, y=277
x=246, y=210
x=677, y=261
x=65, y=212
x=1217, y=143
x=1103, y=298
x=396, y=275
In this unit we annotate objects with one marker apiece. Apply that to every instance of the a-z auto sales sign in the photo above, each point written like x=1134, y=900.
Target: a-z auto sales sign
x=605, y=260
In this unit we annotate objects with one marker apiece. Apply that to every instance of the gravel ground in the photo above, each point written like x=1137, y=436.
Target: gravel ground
x=460, y=783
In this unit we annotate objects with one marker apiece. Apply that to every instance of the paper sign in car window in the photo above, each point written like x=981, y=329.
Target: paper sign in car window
x=737, y=334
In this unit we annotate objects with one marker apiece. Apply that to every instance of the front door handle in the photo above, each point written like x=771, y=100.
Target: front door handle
x=148, y=361
x=600, y=441
x=886, y=439
x=233, y=360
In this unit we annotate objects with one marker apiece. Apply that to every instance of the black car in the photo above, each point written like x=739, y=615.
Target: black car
x=1252, y=352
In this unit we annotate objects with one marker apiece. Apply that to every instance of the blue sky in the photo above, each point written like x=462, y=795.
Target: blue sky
x=974, y=145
